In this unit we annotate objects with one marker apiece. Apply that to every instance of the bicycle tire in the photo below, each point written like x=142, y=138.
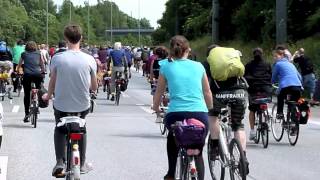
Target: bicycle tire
x=0, y=141
x=91, y=106
x=238, y=168
x=293, y=139
x=117, y=100
x=108, y=91
x=163, y=128
x=69, y=161
x=214, y=174
x=264, y=131
x=35, y=117
x=276, y=122
x=181, y=167
x=257, y=138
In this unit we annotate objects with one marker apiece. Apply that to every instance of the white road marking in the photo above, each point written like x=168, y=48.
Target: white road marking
x=314, y=123
x=125, y=95
x=15, y=108
x=140, y=104
x=147, y=109
x=3, y=167
x=22, y=90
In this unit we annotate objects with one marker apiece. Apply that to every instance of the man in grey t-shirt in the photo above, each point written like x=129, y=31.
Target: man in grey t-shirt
x=73, y=75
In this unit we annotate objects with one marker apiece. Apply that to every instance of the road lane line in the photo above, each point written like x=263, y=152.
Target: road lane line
x=15, y=108
x=3, y=167
x=314, y=123
x=147, y=109
x=140, y=104
x=125, y=95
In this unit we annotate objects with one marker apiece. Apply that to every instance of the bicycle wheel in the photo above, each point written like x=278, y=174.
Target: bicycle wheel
x=117, y=95
x=238, y=167
x=108, y=91
x=264, y=130
x=293, y=131
x=216, y=166
x=91, y=105
x=257, y=138
x=276, y=125
x=163, y=128
x=181, y=167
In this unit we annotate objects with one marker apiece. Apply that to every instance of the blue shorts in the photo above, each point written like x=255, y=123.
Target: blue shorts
x=309, y=82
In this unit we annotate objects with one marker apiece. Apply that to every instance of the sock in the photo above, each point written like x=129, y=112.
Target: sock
x=214, y=143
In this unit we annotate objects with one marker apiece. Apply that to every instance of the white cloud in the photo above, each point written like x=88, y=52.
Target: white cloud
x=149, y=9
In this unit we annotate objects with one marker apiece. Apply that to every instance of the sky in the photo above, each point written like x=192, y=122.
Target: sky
x=149, y=9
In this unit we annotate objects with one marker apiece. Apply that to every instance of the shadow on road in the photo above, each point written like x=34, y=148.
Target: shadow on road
x=18, y=126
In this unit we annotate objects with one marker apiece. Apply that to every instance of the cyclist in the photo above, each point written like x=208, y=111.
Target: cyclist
x=77, y=70
x=190, y=94
x=33, y=69
x=103, y=56
x=161, y=53
x=120, y=64
x=129, y=57
x=258, y=74
x=232, y=87
x=44, y=53
x=288, y=77
x=18, y=49
x=307, y=72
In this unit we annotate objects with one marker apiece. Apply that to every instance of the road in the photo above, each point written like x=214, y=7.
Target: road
x=124, y=143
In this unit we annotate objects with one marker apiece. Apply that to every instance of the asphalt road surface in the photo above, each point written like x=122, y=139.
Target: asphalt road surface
x=124, y=143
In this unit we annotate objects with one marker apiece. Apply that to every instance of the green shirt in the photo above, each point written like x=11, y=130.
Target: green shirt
x=17, y=51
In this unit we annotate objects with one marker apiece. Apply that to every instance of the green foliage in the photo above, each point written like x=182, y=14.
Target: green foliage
x=26, y=19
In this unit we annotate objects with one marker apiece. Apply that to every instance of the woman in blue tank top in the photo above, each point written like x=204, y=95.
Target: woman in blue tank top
x=190, y=95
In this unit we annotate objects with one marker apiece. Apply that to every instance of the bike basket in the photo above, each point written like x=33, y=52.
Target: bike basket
x=304, y=110
x=190, y=133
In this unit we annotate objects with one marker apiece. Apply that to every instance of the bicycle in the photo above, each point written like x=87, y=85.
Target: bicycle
x=289, y=123
x=231, y=154
x=121, y=83
x=262, y=119
x=106, y=84
x=74, y=127
x=1, y=119
x=34, y=105
x=18, y=80
x=187, y=160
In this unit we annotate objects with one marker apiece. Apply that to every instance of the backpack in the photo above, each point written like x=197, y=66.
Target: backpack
x=145, y=55
x=225, y=63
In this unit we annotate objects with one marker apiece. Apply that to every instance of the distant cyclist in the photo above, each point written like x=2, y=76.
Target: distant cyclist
x=288, y=77
x=17, y=50
x=33, y=69
x=129, y=57
x=227, y=86
x=307, y=72
x=190, y=96
x=258, y=74
x=73, y=73
x=161, y=53
x=120, y=64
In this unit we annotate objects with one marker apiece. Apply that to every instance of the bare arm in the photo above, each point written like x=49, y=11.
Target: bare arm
x=19, y=65
x=161, y=87
x=207, y=94
x=151, y=70
x=52, y=83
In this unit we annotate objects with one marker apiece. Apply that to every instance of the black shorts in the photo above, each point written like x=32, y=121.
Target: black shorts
x=236, y=100
x=253, y=96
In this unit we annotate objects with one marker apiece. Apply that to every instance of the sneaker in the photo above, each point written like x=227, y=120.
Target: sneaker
x=112, y=98
x=167, y=177
x=26, y=119
x=58, y=169
x=87, y=167
x=280, y=116
x=252, y=135
x=158, y=120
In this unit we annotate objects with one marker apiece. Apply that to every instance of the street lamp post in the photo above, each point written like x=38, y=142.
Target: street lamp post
x=47, y=25
x=139, y=25
x=70, y=11
x=215, y=22
x=281, y=21
x=111, y=23
x=88, y=22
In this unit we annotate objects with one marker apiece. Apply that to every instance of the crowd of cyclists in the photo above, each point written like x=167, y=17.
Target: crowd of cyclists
x=195, y=92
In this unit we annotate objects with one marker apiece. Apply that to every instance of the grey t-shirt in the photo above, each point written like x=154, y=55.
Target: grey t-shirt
x=74, y=70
